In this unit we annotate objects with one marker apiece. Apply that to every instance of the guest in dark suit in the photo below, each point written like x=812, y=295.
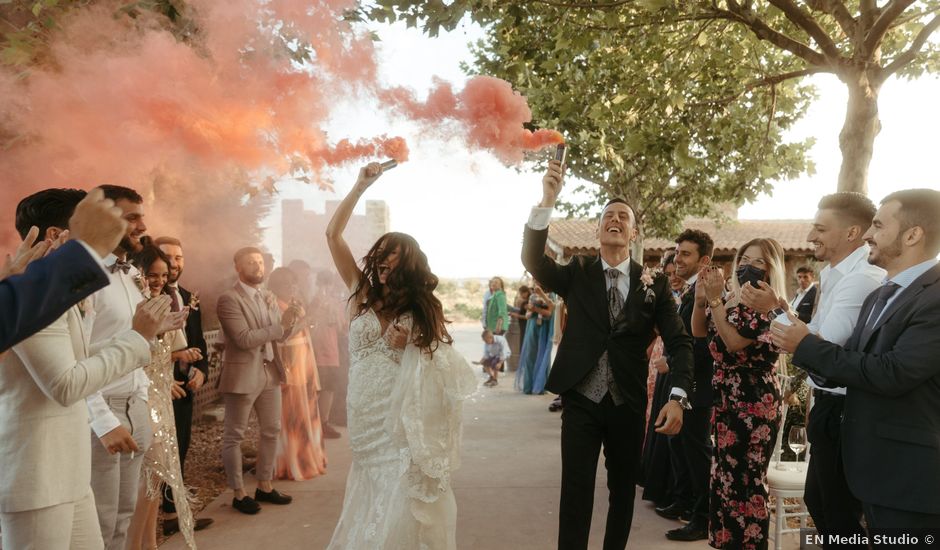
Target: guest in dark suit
x=804, y=303
x=891, y=422
x=190, y=371
x=601, y=365
x=692, y=447
x=32, y=299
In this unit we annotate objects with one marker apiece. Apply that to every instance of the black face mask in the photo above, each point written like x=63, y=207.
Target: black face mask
x=750, y=274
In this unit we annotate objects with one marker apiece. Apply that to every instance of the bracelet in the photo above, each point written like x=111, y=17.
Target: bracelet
x=716, y=303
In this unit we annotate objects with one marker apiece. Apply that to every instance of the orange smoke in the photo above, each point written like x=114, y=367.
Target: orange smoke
x=487, y=113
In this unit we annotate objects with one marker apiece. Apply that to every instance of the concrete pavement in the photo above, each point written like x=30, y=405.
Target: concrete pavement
x=507, y=488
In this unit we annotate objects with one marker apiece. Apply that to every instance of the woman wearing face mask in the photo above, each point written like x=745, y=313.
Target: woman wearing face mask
x=747, y=409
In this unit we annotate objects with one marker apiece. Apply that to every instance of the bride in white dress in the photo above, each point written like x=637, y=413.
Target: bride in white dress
x=406, y=388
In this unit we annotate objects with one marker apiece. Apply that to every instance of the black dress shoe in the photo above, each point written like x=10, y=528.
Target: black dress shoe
x=675, y=511
x=172, y=525
x=272, y=496
x=246, y=505
x=688, y=532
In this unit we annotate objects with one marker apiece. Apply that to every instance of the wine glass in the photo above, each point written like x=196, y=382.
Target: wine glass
x=797, y=440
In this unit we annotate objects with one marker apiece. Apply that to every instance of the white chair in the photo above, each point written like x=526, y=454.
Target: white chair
x=786, y=479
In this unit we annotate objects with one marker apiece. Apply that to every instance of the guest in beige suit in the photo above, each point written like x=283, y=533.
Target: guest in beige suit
x=46, y=500
x=251, y=376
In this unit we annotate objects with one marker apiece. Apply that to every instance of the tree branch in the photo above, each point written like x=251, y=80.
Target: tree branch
x=806, y=22
x=892, y=11
x=782, y=41
x=903, y=59
x=772, y=80
x=838, y=11
x=591, y=5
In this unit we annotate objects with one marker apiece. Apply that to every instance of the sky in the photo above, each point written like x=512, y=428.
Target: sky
x=467, y=209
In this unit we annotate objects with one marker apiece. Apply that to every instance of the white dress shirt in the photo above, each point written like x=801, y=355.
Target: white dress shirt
x=842, y=289
x=111, y=312
x=540, y=217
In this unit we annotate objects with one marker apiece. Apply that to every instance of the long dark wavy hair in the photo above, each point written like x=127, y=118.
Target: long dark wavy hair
x=410, y=290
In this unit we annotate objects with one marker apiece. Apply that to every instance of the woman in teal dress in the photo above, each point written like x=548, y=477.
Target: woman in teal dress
x=535, y=358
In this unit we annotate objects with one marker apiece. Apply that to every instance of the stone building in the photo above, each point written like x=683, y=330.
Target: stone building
x=303, y=231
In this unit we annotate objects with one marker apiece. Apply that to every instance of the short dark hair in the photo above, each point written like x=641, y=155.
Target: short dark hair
x=485, y=332
x=241, y=252
x=704, y=242
x=856, y=208
x=620, y=200
x=45, y=209
x=525, y=289
x=806, y=269
x=920, y=208
x=167, y=240
x=117, y=192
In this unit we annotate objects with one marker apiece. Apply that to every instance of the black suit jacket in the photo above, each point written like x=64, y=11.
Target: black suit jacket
x=588, y=332
x=704, y=364
x=46, y=290
x=194, y=339
x=804, y=309
x=891, y=423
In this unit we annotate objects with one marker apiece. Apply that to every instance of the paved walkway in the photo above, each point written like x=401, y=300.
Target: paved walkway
x=507, y=488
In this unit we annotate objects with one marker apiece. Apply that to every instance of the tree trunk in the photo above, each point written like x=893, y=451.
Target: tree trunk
x=636, y=247
x=859, y=130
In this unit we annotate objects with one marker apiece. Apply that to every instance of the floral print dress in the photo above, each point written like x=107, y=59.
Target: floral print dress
x=747, y=418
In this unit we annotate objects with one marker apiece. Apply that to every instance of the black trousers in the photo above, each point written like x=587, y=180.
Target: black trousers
x=827, y=495
x=183, y=414
x=586, y=427
x=692, y=455
x=879, y=517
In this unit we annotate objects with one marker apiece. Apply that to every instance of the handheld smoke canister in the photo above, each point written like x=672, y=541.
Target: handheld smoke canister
x=561, y=153
x=389, y=164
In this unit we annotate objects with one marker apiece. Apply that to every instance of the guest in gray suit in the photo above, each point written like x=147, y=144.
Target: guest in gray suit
x=251, y=376
x=891, y=421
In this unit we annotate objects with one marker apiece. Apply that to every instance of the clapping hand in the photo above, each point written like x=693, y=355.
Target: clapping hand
x=762, y=298
x=713, y=282
x=788, y=337
x=27, y=252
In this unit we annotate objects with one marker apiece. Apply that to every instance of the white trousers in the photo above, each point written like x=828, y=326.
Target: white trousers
x=69, y=526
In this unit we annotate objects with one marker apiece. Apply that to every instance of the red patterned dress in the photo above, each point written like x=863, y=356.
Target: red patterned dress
x=747, y=418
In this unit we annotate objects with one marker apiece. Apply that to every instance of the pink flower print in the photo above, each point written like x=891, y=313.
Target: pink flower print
x=762, y=433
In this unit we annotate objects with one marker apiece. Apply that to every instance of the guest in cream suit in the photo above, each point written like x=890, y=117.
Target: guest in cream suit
x=251, y=376
x=46, y=500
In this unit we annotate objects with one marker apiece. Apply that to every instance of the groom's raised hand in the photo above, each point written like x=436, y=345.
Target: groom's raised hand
x=552, y=182
x=669, y=421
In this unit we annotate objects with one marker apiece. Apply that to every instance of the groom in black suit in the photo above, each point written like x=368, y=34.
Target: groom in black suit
x=601, y=366
x=891, y=421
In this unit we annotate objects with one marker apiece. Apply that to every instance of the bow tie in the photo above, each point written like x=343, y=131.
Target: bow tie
x=121, y=265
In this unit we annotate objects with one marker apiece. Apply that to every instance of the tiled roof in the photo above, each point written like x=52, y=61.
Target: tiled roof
x=576, y=236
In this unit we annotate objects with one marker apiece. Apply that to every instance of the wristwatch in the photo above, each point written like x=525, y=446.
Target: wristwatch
x=715, y=303
x=774, y=313
x=682, y=400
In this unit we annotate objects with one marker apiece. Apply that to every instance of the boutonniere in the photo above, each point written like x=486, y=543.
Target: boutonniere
x=194, y=301
x=647, y=281
x=269, y=298
x=141, y=285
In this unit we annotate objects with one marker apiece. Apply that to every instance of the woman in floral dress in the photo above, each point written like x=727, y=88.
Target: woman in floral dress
x=747, y=409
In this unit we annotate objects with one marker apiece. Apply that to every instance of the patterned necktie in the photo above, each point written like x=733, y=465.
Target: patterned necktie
x=120, y=265
x=614, y=298
x=174, y=299
x=884, y=294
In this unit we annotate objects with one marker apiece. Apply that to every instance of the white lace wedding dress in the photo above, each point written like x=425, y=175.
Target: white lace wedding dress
x=404, y=419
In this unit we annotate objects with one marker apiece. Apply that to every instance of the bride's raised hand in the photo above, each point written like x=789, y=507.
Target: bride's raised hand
x=367, y=176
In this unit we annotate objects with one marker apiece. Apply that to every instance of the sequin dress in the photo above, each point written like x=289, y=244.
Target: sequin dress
x=162, y=460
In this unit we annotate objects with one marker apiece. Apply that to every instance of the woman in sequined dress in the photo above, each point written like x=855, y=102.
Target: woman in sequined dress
x=161, y=461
